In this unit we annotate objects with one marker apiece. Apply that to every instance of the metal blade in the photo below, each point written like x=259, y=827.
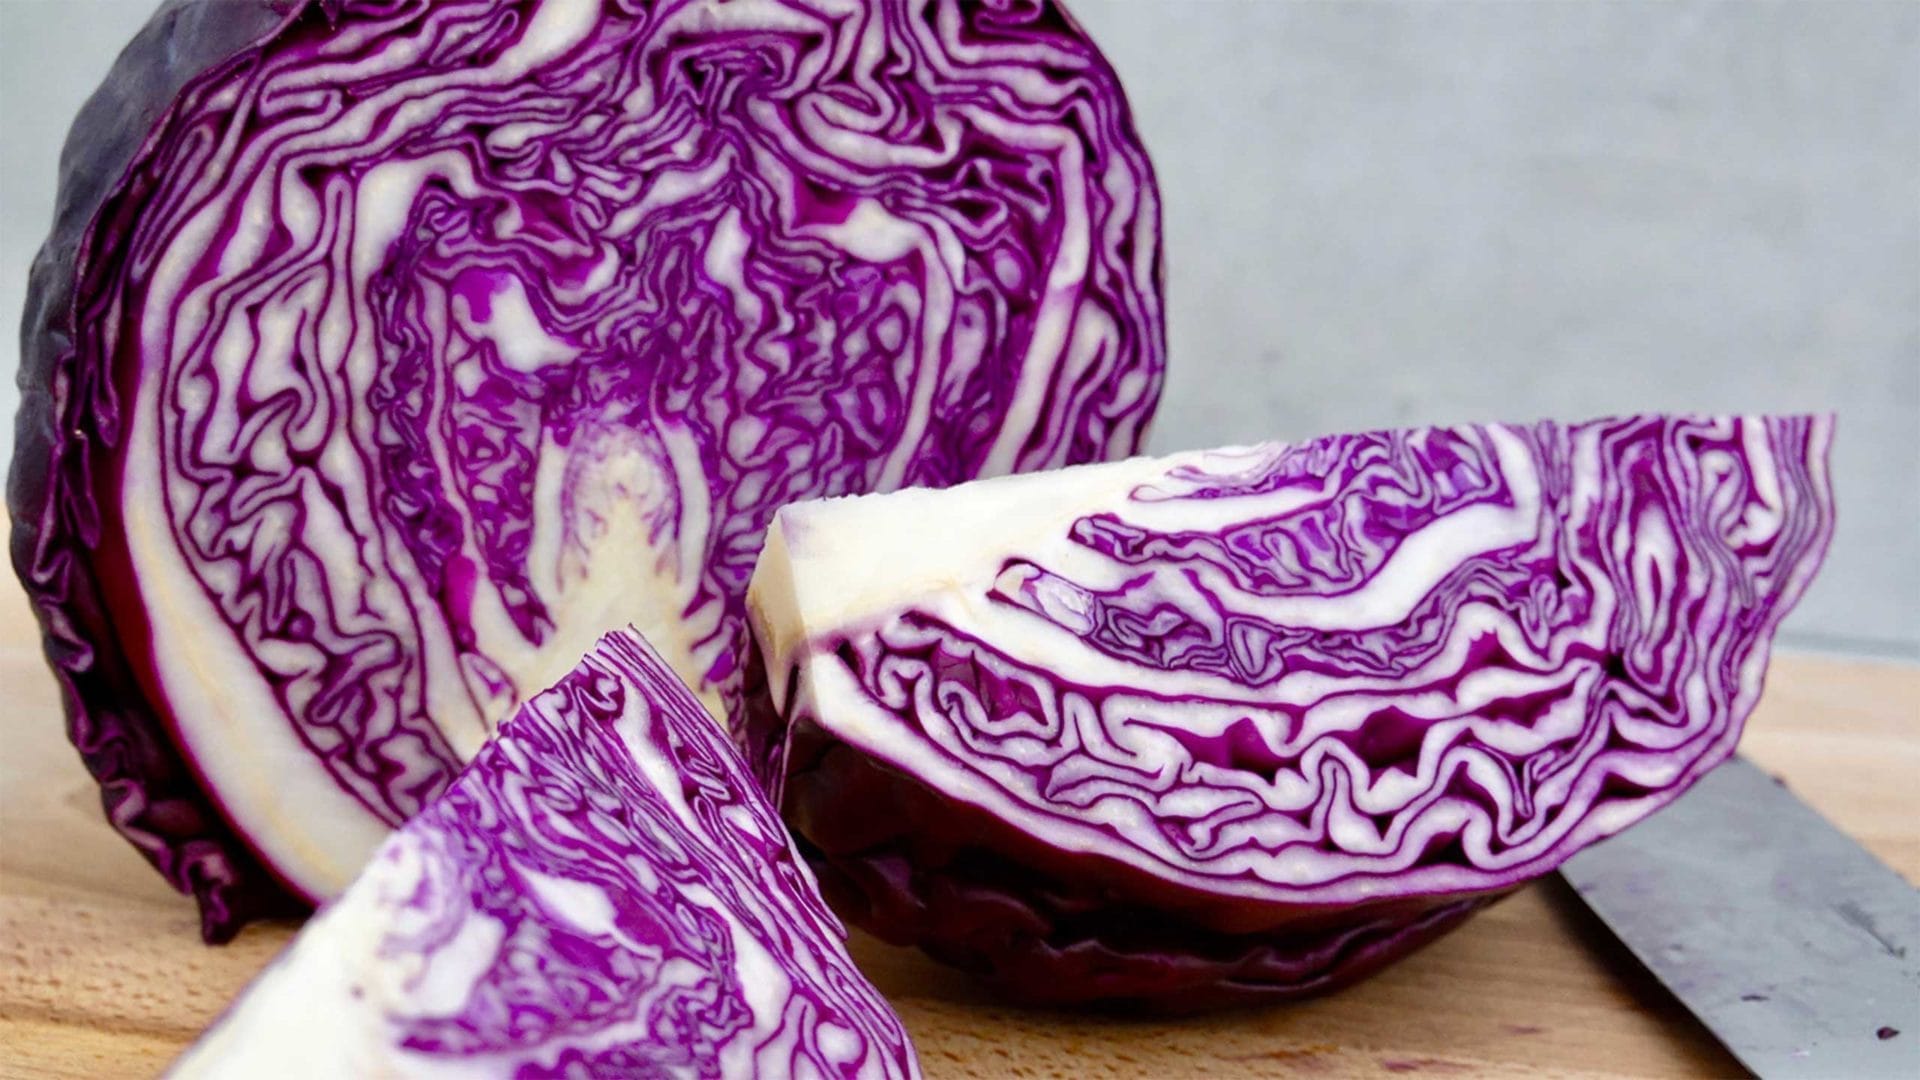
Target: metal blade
x=1793, y=945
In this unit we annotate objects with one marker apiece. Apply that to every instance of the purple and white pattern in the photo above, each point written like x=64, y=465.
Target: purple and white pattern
x=1402, y=666
x=602, y=892
x=421, y=342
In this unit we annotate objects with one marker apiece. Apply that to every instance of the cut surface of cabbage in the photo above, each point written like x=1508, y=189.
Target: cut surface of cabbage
x=602, y=892
x=388, y=352
x=1252, y=719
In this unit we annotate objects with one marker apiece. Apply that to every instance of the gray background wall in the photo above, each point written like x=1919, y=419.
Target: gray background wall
x=1395, y=213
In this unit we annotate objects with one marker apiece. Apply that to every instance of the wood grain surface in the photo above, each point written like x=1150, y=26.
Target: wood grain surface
x=102, y=973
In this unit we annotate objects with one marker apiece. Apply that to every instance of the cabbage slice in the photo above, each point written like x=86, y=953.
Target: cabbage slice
x=1254, y=721
x=602, y=892
x=385, y=353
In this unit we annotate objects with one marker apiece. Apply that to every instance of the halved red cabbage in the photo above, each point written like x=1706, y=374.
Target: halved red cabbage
x=1252, y=722
x=602, y=892
x=387, y=352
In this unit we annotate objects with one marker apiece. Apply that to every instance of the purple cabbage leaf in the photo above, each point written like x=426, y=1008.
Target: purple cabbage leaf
x=1253, y=722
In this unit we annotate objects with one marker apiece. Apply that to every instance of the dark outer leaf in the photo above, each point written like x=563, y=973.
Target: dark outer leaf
x=67, y=422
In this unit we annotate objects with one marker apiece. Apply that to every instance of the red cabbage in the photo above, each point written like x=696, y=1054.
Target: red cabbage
x=1252, y=722
x=387, y=352
x=602, y=892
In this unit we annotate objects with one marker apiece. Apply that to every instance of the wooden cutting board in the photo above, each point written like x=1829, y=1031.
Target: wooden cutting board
x=102, y=972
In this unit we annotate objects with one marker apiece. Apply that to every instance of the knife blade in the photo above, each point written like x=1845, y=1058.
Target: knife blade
x=1796, y=948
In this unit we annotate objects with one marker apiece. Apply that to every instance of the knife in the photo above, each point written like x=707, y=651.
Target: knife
x=1797, y=949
